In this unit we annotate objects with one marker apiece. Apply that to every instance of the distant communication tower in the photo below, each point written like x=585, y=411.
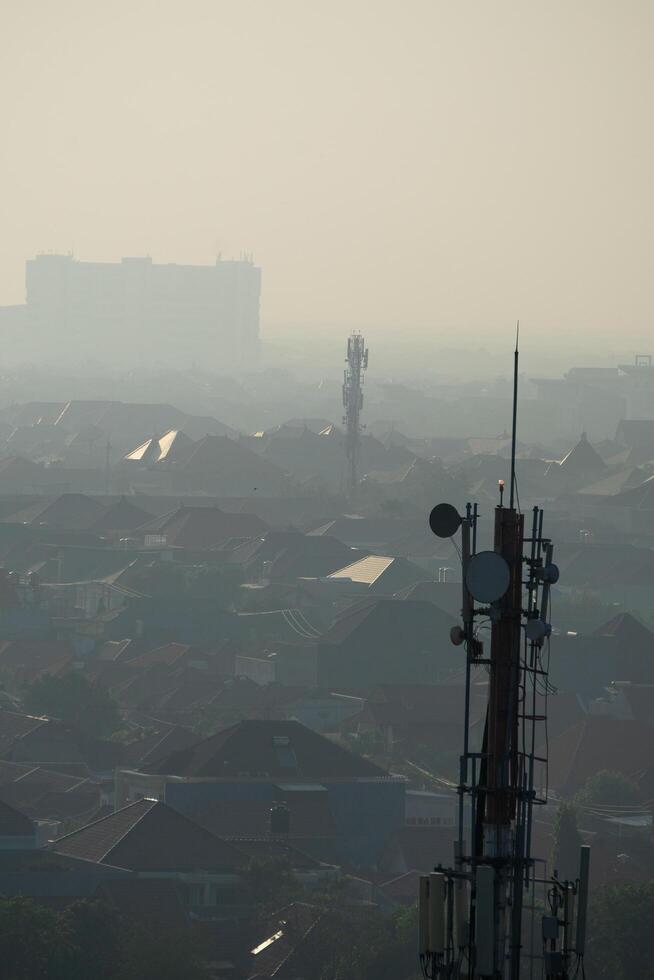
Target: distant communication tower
x=357, y=362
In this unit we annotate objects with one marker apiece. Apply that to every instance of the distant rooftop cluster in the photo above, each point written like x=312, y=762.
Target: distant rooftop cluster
x=217, y=657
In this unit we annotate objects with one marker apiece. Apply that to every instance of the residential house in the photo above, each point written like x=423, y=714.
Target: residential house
x=252, y=759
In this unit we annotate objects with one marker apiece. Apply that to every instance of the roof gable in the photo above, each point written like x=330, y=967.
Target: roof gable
x=13, y=823
x=582, y=459
x=150, y=836
x=201, y=528
x=279, y=749
x=630, y=633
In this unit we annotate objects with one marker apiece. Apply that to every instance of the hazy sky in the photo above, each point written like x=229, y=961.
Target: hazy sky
x=422, y=163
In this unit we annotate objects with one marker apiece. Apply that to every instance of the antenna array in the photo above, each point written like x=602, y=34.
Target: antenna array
x=357, y=363
x=471, y=915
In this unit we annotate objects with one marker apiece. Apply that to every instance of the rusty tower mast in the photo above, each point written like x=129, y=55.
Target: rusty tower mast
x=472, y=915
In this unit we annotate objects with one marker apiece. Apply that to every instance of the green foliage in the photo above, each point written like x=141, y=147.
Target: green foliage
x=348, y=943
x=90, y=940
x=33, y=942
x=369, y=946
x=620, y=941
x=567, y=841
x=608, y=787
x=75, y=700
x=169, y=955
x=269, y=884
x=96, y=935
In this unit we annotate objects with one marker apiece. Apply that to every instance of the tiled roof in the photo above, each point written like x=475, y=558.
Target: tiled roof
x=14, y=725
x=33, y=653
x=630, y=633
x=583, y=460
x=219, y=453
x=38, y=781
x=279, y=749
x=73, y=804
x=173, y=446
x=113, y=651
x=169, y=654
x=201, y=528
x=150, y=836
x=13, y=823
x=371, y=530
x=598, y=743
x=70, y=512
x=281, y=948
x=640, y=497
x=159, y=745
x=122, y=516
x=408, y=618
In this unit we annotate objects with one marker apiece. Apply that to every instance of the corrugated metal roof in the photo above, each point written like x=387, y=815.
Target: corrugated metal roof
x=366, y=570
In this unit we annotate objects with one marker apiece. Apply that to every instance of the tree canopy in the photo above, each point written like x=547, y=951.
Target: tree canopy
x=620, y=941
x=91, y=939
x=608, y=787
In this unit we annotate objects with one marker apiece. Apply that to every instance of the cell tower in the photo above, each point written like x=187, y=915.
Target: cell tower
x=473, y=916
x=357, y=362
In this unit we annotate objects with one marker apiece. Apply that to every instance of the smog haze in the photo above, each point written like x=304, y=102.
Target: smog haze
x=429, y=166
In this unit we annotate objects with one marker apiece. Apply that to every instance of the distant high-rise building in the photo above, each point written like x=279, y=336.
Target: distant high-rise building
x=201, y=314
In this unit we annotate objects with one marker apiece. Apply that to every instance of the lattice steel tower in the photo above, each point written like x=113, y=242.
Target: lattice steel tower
x=474, y=915
x=357, y=362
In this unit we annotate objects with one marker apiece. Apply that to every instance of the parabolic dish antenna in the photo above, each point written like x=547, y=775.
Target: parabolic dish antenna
x=488, y=576
x=444, y=520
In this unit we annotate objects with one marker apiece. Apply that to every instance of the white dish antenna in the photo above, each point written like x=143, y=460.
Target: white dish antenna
x=487, y=576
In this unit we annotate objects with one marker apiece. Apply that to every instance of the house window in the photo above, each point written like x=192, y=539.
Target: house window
x=155, y=540
x=284, y=752
x=194, y=895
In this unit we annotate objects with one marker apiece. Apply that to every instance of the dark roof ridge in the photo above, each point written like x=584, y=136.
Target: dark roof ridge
x=109, y=816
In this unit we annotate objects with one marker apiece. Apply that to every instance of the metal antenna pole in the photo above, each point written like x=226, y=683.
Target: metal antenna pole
x=493, y=876
x=516, y=356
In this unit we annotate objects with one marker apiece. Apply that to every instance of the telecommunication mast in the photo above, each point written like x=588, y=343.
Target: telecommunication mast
x=357, y=362
x=473, y=915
